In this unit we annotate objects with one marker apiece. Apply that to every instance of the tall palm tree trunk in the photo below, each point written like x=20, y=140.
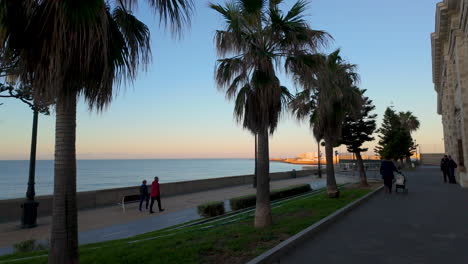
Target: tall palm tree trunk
x=332, y=188
x=263, y=209
x=64, y=231
x=255, y=169
x=362, y=172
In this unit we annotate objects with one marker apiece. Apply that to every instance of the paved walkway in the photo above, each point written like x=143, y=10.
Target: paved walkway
x=110, y=223
x=428, y=225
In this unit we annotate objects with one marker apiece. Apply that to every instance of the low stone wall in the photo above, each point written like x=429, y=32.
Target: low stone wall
x=10, y=209
x=431, y=158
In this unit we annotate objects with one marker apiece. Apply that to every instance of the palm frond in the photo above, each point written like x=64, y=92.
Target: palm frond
x=137, y=38
x=227, y=70
x=252, y=6
x=173, y=13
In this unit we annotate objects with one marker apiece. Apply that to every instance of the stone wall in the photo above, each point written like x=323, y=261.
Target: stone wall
x=10, y=209
x=431, y=158
x=450, y=77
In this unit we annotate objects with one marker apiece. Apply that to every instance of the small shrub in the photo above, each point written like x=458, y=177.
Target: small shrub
x=289, y=191
x=211, y=209
x=242, y=202
x=28, y=246
x=246, y=201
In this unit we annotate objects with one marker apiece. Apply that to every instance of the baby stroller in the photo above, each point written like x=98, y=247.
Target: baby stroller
x=400, y=182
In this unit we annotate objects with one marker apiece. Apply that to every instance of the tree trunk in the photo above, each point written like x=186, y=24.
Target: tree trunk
x=263, y=209
x=255, y=169
x=362, y=171
x=64, y=230
x=332, y=188
x=408, y=162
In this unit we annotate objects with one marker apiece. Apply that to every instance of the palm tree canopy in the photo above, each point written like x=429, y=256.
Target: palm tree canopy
x=257, y=39
x=409, y=121
x=329, y=95
x=83, y=47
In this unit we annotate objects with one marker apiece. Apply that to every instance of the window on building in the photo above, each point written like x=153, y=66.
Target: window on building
x=461, y=158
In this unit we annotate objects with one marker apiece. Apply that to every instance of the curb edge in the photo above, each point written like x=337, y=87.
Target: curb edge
x=282, y=248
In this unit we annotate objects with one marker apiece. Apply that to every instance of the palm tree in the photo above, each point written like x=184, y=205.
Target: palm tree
x=410, y=123
x=66, y=49
x=327, y=97
x=258, y=37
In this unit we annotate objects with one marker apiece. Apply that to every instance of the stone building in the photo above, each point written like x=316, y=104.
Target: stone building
x=450, y=77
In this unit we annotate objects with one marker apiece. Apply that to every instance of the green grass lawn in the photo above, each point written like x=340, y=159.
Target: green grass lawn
x=235, y=242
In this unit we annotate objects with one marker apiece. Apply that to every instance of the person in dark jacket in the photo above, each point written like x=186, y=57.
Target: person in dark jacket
x=155, y=195
x=444, y=167
x=387, y=167
x=452, y=165
x=144, y=195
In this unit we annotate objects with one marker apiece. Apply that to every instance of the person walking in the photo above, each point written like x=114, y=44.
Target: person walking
x=444, y=167
x=452, y=165
x=144, y=195
x=155, y=195
x=387, y=167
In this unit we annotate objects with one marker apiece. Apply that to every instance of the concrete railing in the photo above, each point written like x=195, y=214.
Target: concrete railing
x=10, y=209
x=431, y=158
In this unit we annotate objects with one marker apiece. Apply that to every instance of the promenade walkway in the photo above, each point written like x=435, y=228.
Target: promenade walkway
x=108, y=223
x=427, y=225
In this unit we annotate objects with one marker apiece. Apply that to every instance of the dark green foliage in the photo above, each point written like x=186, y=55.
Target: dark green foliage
x=24, y=94
x=257, y=39
x=249, y=200
x=28, y=246
x=395, y=137
x=242, y=202
x=211, y=209
x=356, y=131
x=290, y=191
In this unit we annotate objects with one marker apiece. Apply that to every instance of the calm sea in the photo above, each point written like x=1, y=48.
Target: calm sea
x=104, y=174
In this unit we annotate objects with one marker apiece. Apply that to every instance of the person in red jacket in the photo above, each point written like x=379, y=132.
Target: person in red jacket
x=155, y=195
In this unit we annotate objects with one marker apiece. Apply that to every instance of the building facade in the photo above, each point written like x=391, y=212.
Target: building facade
x=450, y=77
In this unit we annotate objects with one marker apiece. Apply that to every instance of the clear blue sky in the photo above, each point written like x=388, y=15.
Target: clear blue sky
x=174, y=109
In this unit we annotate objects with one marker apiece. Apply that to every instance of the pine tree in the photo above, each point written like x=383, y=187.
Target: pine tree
x=411, y=124
x=390, y=133
x=357, y=130
x=395, y=138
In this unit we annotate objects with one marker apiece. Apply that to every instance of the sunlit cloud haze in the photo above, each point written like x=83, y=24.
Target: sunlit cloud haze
x=175, y=111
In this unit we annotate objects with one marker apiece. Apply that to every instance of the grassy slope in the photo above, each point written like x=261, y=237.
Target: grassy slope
x=235, y=242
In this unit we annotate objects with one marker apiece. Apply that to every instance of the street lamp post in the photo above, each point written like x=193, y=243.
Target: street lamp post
x=336, y=157
x=319, y=160
x=29, y=212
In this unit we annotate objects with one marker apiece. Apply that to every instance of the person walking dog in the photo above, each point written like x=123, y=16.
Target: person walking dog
x=155, y=195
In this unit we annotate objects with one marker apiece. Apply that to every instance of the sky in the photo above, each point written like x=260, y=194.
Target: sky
x=174, y=109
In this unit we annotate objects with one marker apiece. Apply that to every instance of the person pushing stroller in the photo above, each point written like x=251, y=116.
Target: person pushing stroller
x=387, y=167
